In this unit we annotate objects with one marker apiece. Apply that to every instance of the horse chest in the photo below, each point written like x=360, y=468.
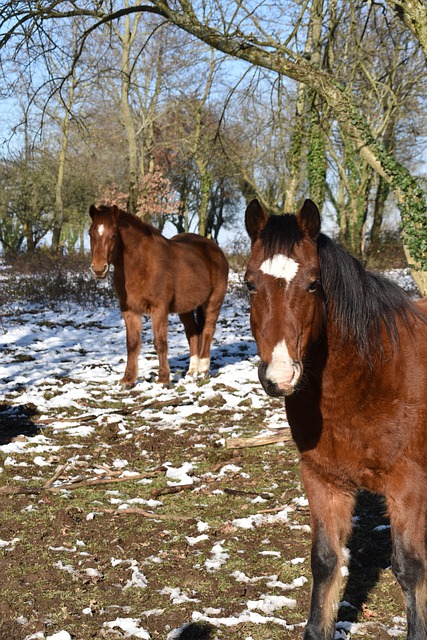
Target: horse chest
x=139, y=290
x=348, y=448
x=351, y=459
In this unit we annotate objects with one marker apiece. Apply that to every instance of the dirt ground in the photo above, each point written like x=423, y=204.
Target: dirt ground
x=59, y=574
x=118, y=522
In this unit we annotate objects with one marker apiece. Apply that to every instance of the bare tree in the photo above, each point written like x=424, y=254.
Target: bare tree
x=414, y=15
x=266, y=39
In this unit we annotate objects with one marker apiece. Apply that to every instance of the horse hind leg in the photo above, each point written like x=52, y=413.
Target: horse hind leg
x=193, y=335
x=408, y=526
x=210, y=313
x=330, y=513
x=206, y=331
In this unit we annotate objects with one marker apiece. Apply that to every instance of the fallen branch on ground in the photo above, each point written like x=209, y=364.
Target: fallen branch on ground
x=240, y=443
x=13, y=490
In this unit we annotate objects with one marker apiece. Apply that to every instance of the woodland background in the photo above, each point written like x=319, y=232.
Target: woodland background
x=183, y=111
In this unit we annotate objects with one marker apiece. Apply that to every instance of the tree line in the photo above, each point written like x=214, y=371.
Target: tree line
x=179, y=111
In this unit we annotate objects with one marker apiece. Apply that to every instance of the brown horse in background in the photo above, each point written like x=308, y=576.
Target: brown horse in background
x=348, y=351
x=153, y=275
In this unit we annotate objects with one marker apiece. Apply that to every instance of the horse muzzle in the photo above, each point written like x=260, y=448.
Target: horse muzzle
x=99, y=274
x=275, y=388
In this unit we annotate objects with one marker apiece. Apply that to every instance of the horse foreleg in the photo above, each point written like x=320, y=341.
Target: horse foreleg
x=192, y=333
x=159, y=321
x=133, y=324
x=408, y=527
x=330, y=513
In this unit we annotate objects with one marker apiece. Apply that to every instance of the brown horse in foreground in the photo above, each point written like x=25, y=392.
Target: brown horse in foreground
x=348, y=351
x=186, y=275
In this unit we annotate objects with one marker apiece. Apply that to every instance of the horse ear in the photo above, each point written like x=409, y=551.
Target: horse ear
x=255, y=219
x=92, y=211
x=308, y=219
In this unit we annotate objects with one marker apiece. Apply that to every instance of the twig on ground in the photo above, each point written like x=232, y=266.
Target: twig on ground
x=299, y=508
x=95, y=481
x=240, y=492
x=168, y=490
x=142, y=512
x=172, y=402
x=59, y=469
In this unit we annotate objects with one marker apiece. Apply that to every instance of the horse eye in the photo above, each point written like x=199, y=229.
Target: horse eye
x=251, y=287
x=313, y=286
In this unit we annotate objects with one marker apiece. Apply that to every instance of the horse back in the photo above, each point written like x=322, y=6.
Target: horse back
x=200, y=271
x=202, y=253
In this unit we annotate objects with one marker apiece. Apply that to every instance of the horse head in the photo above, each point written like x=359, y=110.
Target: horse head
x=286, y=297
x=103, y=233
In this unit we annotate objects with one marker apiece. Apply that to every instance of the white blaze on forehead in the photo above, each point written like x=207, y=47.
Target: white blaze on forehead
x=280, y=266
x=101, y=229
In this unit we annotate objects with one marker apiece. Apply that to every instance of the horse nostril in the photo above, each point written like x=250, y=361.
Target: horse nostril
x=99, y=273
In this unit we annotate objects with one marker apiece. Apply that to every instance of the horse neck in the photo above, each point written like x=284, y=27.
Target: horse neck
x=332, y=355
x=135, y=238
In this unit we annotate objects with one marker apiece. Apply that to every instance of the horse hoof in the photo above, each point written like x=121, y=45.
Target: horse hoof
x=165, y=383
x=125, y=386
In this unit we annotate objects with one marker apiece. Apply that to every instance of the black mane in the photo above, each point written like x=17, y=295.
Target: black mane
x=361, y=303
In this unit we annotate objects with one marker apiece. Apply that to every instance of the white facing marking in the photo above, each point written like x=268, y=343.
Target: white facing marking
x=101, y=229
x=280, y=369
x=198, y=365
x=280, y=266
x=204, y=364
x=194, y=365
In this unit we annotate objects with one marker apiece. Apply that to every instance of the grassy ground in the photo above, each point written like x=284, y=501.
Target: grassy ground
x=80, y=558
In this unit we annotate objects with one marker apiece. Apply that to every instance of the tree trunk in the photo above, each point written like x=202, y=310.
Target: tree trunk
x=409, y=195
x=59, y=205
x=413, y=14
x=205, y=188
x=381, y=195
x=295, y=154
x=127, y=38
x=316, y=160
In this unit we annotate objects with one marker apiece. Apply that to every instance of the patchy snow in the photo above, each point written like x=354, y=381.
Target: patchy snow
x=8, y=544
x=179, y=475
x=130, y=626
x=72, y=355
x=268, y=603
x=219, y=556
